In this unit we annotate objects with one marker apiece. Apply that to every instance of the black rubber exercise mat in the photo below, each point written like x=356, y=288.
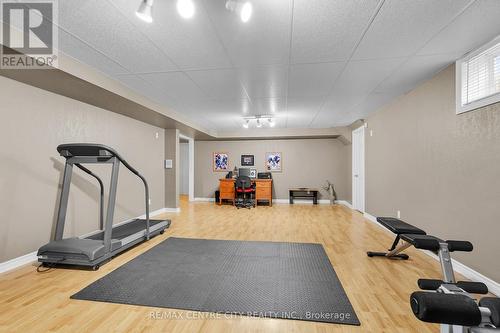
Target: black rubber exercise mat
x=266, y=279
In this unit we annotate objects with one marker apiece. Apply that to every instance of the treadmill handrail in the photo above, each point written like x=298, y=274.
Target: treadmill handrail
x=63, y=149
x=101, y=185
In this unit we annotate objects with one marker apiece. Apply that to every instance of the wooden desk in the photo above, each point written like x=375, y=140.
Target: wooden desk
x=263, y=190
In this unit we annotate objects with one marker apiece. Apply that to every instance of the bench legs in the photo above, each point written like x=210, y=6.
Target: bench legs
x=394, y=251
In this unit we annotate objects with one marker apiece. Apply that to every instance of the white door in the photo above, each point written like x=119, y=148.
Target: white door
x=358, y=169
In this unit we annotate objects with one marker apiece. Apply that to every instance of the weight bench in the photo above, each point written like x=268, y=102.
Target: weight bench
x=399, y=228
x=449, y=303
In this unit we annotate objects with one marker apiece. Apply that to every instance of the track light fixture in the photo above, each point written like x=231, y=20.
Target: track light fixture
x=144, y=11
x=271, y=122
x=186, y=9
x=260, y=120
x=243, y=9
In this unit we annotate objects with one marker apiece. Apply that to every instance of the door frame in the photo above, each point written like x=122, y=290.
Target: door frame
x=191, y=164
x=358, y=176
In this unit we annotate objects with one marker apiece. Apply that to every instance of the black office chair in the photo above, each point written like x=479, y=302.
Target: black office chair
x=243, y=185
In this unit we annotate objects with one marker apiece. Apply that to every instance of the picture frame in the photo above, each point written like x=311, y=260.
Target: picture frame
x=273, y=162
x=253, y=173
x=247, y=160
x=220, y=162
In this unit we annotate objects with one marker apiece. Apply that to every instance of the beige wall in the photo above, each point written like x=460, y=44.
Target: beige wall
x=32, y=123
x=441, y=170
x=306, y=163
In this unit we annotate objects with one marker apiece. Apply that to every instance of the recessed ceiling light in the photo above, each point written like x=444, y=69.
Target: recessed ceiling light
x=246, y=12
x=185, y=8
x=144, y=11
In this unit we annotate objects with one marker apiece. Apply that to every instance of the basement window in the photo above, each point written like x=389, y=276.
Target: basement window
x=478, y=78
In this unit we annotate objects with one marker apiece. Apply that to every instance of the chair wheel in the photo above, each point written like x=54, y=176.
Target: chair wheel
x=95, y=267
x=369, y=254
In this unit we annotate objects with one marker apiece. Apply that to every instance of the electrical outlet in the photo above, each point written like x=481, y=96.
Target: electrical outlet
x=399, y=214
x=157, y=135
x=371, y=132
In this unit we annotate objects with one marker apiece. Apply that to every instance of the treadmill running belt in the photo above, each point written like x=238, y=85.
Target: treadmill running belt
x=126, y=229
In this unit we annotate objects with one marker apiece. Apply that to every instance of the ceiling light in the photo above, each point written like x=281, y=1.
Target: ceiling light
x=245, y=125
x=271, y=122
x=259, y=124
x=144, y=11
x=246, y=12
x=185, y=8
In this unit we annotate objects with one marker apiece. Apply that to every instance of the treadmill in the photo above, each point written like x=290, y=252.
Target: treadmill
x=100, y=246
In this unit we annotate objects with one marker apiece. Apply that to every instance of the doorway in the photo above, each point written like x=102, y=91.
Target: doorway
x=358, y=169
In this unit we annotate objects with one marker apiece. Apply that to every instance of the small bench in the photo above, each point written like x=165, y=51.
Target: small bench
x=303, y=193
x=399, y=228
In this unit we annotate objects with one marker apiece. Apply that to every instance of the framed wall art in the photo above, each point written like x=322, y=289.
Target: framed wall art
x=247, y=160
x=274, y=162
x=220, y=161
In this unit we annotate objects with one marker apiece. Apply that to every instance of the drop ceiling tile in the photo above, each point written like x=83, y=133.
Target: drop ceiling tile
x=77, y=49
x=416, y=70
x=371, y=103
x=176, y=86
x=142, y=87
x=358, y=80
x=476, y=26
x=266, y=106
x=328, y=30
x=403, y=26
x=219, y=83
x=313, y=79
x=190, y=43
x=301, y=111
x=264, y=39
x=236, y=107
x=107, y=30
x=264, y=81
x=328, y=118
x=344, y=117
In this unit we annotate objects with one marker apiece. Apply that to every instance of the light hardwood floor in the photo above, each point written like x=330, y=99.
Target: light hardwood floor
x=378, y=289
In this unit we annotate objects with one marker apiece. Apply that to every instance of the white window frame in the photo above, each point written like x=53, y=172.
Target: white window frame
x=458, y=82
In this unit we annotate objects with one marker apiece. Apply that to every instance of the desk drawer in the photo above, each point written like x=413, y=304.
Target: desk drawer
x=264, y=184
x=263, y=192
x=226, y=186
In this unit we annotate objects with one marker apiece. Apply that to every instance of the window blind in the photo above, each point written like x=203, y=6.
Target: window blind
x=481, y=75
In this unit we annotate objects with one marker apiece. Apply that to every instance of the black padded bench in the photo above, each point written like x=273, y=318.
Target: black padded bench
x=399, y=228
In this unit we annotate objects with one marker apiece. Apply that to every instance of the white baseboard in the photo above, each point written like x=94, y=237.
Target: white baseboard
x=32, y=257
x=205, y=199
x=286, y=201
x=18, y=262
x=493, y=286
x=345, y=203
x=171, y=210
